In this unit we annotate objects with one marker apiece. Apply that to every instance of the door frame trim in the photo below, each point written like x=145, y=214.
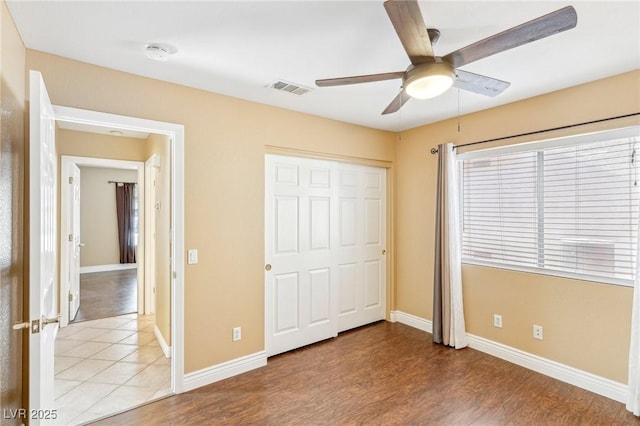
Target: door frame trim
x=66, y=161
x=176, y=135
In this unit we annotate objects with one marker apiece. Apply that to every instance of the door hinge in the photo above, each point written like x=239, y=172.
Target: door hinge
x=70, y=297
x=70, y=180
x=175, y=275
x=70, y=238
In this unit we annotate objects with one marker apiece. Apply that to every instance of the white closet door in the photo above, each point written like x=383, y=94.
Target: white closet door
x=299, y=300
x=360, y=251
x=325, y=232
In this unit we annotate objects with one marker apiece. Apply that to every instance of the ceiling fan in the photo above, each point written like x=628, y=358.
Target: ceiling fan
x=429, y=75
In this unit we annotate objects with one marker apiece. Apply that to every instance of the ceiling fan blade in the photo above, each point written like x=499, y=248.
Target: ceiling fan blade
x=341, y=81
x=544, y=26
x=397, y=103
x=479, y=83
x=409, y=24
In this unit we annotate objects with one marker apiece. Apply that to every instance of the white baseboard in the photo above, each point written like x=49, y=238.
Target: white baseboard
x=412, y=320
x=166, y=349
x=223, y=371
x=105, y=268
x=582, y=379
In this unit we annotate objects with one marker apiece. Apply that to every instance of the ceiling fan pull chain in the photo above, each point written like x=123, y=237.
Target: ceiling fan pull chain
x=458, y=110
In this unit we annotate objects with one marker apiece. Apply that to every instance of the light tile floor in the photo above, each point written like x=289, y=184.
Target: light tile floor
x=106, y=366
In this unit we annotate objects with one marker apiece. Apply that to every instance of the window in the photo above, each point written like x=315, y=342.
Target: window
x=565, y=207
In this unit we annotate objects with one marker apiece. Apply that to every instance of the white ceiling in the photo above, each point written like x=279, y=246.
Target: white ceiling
x=239, y=48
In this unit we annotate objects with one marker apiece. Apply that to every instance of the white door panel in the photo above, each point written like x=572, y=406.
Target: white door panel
x=362, y=239
x=286, y=232
x=70, y=241
x=319, y=224
x=347, y=219
x=348, y=289
x=325, y=229
x=43, y=301
x=287, y=295
x=298, y=247
x=76, y=244
x=372, y=296
x=372, y=228
x=319, y=284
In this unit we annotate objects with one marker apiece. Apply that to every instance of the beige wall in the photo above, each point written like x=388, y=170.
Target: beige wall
x=224, y=187
x=98, y=218
x=12, y=157
x=83, y=144
x=586, y=325
x=159, y=145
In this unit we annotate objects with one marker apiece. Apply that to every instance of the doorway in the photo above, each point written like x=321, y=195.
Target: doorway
x=89, y=244
x=127, y=356
x=43, y=231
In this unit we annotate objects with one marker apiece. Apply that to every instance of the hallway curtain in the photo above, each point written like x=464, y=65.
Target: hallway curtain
x=125, y=209
x=448, y=312
x=633, y=387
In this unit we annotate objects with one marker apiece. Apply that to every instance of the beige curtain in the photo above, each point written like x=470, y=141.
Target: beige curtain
x=448, y=311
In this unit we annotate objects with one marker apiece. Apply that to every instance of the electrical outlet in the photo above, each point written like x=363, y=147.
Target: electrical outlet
x=237, y=333
x=497, y=320
x=537, y=332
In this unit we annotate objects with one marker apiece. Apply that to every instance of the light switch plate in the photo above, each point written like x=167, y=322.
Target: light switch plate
x=192, y=256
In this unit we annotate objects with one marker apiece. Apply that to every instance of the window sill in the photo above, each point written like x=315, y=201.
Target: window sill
x=561, y=274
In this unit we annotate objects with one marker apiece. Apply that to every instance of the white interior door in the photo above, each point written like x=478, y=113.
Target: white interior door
x=360, y=249
x=299, y=301
x=70, y=242
x=74, y=250
x=325, y=236
x=43, y=300
x=150, y=170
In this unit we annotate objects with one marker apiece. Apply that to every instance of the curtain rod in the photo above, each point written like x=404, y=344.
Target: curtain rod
x=535, y=132
x=113, y=181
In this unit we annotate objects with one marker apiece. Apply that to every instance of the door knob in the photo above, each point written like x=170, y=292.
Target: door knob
x=21, y=325
x=53, y=320
x=81, y=244
x=267, y=267
x=384, y=252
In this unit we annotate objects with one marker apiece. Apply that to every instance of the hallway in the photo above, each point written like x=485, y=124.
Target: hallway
x=107, y=294
x=107, y=366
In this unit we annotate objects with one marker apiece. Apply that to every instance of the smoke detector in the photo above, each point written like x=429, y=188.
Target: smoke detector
x=159, y=51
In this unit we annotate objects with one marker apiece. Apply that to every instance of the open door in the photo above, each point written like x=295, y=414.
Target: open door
x=74, y=240
x=150, y=200
x=43, y=300
x=70, y=243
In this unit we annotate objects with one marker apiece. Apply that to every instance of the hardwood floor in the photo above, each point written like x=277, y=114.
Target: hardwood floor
x=107, y=294
x=387, y=374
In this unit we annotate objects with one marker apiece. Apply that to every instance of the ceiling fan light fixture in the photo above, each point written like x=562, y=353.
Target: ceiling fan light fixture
x=429, y=80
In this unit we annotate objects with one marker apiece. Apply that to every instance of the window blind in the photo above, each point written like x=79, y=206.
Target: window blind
x=566, y=207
